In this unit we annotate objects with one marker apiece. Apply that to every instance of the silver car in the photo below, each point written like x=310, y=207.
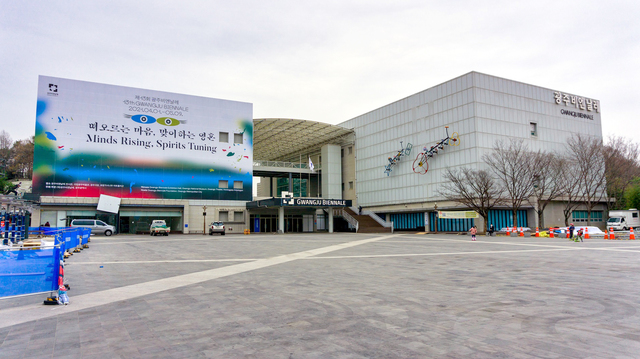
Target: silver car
x=96, y=225
x=216, y=227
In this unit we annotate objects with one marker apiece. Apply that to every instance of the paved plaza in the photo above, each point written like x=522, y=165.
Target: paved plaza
x=339, y=295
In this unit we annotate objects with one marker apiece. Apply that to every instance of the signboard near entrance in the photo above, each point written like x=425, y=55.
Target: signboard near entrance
x=316, y=202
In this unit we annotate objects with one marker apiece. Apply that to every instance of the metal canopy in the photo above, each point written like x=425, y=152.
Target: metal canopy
x=282, y=139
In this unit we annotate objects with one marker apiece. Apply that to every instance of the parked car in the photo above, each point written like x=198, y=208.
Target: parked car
x=96, y=225
x=216, y=227
x=159, y=227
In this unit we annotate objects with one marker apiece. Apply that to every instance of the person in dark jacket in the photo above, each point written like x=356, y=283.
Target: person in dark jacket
x=571, y=229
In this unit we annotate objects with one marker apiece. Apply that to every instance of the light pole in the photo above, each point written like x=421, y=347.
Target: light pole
x=204, y=220
x=435, y=207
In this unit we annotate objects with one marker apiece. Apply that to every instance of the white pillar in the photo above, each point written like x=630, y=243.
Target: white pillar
x=330, y=227
x=281, y=219
x=185, y=217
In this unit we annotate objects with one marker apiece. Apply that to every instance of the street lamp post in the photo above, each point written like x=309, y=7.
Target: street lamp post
x=204, y=220
x=435, y=207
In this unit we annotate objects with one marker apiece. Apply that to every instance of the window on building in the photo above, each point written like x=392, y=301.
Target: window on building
x=581, y=216
x=237, y=138
x=299, y=186
x=350, y=184
x=223, y=216
x=223, y=184
x=238, y=216
x=350, y=149
x=224, y=137
x=534, y=128
x=237, y=184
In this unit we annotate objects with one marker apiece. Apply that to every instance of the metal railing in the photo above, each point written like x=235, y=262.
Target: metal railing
x=279, y=164
x=377, y=218
x=349, y=218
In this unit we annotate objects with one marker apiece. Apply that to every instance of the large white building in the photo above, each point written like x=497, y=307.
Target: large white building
x=481, y=109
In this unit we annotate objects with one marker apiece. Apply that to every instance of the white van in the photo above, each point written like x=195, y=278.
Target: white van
x=96, y=225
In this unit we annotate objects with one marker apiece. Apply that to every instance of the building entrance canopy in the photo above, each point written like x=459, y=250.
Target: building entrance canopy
x=299, y=202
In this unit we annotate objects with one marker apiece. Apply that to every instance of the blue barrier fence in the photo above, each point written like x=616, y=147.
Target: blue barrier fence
x=29, y=271
x=26, y=271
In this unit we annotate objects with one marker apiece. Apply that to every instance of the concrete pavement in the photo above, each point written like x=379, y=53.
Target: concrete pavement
x=337, y=295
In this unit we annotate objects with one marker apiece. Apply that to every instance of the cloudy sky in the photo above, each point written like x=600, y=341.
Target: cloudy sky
x=326, y=61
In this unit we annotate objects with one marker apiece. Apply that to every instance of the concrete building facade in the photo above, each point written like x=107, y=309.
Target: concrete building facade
x=479, y=109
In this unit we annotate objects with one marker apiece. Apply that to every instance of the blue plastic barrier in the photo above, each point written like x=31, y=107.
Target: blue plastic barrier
x=29, y=271
x=86, y=233
x=37, y=270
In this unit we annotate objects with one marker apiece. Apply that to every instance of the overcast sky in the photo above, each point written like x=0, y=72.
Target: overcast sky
x=326, y=61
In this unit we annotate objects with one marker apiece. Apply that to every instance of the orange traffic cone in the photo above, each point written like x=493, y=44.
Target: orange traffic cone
x=586, y=233
x=606, y=234
x=537, y=232
x=631, y=234
x=567, y=230
x=508, y=231
x=611, y=235
x=521, y=232
x=551, y=233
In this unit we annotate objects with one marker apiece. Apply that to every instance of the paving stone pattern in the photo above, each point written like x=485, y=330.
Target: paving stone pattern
x=336, y=295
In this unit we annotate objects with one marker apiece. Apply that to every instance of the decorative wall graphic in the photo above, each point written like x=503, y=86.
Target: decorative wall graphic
x=95, y=139
x=420, y=164
x=404, y=151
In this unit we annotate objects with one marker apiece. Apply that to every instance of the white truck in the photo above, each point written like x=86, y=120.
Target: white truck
x=624, y=219
x=159, y=227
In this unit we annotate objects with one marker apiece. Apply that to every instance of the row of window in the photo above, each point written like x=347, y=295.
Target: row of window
x=237, y=137
x=581, y=216
x=231, y=216
x=225, y=184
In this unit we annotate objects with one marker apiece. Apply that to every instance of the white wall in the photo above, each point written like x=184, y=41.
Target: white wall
x=331, y=172
x=480, y=108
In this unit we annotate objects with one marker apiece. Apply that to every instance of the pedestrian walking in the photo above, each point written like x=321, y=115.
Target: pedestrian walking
x=473, y=232
x=571, y=229
x=492, y=229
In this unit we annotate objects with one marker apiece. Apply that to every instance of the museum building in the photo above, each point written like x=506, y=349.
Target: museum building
x=368, y=161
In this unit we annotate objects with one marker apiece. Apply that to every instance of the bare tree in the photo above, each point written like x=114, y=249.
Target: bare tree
x=474, y=189
x=5, y=150
x=548, y=182
x=587, y=152
x=512, y=163
x=621, y=167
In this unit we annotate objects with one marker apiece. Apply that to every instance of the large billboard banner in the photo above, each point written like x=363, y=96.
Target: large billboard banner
x=94, y=139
